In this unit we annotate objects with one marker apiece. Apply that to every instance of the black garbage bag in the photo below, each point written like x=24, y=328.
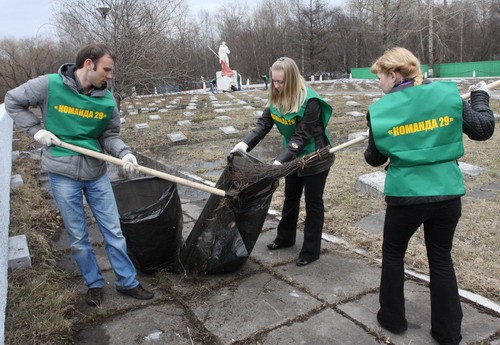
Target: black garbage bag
x=226, y=231
x=151, y=221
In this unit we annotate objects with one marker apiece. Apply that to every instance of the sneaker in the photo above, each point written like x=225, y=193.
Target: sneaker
x=137, y=292
x=94, y=297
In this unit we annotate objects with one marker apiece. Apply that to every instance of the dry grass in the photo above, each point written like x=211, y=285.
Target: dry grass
x=40, y=299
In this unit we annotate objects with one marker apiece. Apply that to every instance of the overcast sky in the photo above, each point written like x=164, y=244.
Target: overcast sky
x=31, y=18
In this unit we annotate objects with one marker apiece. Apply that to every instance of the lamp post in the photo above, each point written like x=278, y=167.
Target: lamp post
x=103, y=11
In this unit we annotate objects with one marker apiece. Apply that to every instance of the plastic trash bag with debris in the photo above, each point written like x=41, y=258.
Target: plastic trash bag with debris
x=226, y=231
x=151, y=221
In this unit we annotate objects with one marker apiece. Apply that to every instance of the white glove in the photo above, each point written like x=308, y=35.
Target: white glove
x=277, y=163
x=46, y=138
x=128, y=167
x=481, y=86
x=241, y=146
x=366, y=134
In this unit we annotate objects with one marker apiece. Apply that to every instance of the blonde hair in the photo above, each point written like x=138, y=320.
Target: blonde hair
x=294, y=91
x=401, y=60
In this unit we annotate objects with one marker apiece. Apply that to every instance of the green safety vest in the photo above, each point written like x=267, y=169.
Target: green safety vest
x=287, y=123
x=422, y=136
x=76, y=118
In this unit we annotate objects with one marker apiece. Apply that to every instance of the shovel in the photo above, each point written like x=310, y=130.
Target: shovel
x=147, y=171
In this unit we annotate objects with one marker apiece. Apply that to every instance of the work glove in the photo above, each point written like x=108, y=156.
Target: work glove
x=129, y=167
x=241, y=146
x=277, y=163
x=46, y=138
x=481, y=86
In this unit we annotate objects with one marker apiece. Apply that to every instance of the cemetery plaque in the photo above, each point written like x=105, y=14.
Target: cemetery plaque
x=229, y=130
x=141, y=126
x=176, y=136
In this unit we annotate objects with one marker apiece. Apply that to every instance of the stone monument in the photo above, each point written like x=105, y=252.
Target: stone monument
x=226, y=76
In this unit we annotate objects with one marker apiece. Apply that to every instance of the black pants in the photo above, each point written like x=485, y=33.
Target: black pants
x=313, y=187
x=440, y=221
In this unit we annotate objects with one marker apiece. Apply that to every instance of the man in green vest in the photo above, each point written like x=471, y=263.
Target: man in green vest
x=78, y=108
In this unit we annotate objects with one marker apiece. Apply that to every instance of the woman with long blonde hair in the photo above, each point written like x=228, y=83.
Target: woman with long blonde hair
x=301, y=117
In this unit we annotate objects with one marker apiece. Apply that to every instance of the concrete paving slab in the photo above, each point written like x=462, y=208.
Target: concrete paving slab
x=489, y=191
x=373, y=224
x=176, y=136
x=325, y=328
x=67, y=263
x=355, y=113
x=497, y=341
x=229, y=130
x=371, y=184
x=355, y=135
x=254, y=304
x=114, y=302
x=187, y=227
x=333, y=277
x=476, y=326
x=364, y=310
x=141, y=126
x=273, y=257
x=16, y=181
x=187, y=285
x=18, y=252
x=270, y=224
x=61, y=241
x=15, y=155
x=191, y=211
x=144, y=326
x=471, y=170
x=191, y=194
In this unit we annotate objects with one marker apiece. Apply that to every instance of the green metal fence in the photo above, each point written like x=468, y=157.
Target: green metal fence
x=446, y=70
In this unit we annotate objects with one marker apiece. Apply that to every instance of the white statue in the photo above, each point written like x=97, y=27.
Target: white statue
x=224, y=54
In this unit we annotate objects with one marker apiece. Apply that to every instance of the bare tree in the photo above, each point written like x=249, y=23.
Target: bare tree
x=141, y=33
x=313, y=28
x=28, y=58
x=158, y=44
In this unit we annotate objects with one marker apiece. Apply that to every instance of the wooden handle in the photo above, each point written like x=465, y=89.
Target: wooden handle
x=145, y=170
x=490, y=86
x=349, y=143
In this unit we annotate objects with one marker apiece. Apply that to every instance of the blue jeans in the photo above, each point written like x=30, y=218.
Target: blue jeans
x=68, y=194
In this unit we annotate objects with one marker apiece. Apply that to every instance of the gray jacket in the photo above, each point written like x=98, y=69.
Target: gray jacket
x=34, y=93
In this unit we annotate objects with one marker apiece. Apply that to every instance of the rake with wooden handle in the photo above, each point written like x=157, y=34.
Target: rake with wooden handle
x=147, y=171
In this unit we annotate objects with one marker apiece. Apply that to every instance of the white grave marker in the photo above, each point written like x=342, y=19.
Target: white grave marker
x=229, y=130
x=141, y=126
x=176, y=136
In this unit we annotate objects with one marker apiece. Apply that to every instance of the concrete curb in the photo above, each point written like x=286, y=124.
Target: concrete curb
x=5, y=171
